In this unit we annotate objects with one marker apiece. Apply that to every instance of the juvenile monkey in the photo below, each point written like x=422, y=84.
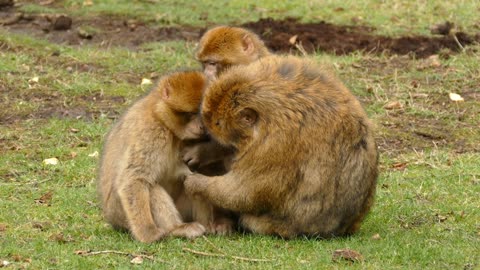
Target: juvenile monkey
x=141, y=172
x=306, y=161
x=219, y=48
x=225, y=46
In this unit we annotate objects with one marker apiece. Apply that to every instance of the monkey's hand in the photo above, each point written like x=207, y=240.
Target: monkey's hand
x=195, y=184
x=191, y=155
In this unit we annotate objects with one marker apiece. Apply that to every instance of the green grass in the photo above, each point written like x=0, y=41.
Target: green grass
x=427, y=205
x=391, y=17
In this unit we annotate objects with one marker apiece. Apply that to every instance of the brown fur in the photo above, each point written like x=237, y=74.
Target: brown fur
x=306, y=161
x=218, y=49
x=141, y=173
x=225, y=46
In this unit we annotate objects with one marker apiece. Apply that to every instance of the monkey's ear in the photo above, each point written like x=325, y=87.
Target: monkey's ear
x=166, y=90
x=248, y=116
x=247, y=43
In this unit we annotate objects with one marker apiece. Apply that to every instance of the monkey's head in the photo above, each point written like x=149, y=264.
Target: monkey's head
x=228, y=113
x=224, y=46
x=181, y=95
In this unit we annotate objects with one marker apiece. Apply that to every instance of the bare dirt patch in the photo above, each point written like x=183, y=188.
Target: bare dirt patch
x=318, y=36
x=401, y=130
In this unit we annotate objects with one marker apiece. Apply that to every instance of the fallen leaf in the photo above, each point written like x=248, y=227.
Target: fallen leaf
x=87, y=3
x=74, y=130
x=414, y=84
x=376, y=237
x=419, y=95
x=392, y=105
x=293, y=39
x=34, y=79
x=45, y=198
x=400, y=166
x=137, y=260
x=146, y=81
x=455, y=97
x=42, y=226
x=59, y=237
x=73, y=154
x=94, y=154
x=16, y=257
x=441, y=218
x=432, y=61
x=50, y=161
x=346, y=254
x=3, y=227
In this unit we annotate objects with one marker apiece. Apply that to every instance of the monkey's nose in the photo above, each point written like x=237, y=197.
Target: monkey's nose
x=192, y=164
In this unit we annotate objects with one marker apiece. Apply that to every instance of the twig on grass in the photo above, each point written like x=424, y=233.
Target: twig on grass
x=207, y=254
x=300, y=47
x=458, y=42
x=91, y=253
x=213, y=245
x=222, y=254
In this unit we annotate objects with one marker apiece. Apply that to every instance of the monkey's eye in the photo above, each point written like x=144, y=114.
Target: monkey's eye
x=189, y=115
x=210, y=63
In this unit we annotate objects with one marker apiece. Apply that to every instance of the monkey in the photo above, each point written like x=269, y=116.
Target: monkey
x=141, y=172
x=225, y=46
x=218, y=49
x=306, y=161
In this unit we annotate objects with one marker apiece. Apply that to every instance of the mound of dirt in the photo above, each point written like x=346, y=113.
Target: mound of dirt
x=284, y=36
x=339, y=40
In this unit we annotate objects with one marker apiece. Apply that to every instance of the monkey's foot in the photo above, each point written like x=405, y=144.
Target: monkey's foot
x=189, y=230
x=148, y=235
x=221, y=226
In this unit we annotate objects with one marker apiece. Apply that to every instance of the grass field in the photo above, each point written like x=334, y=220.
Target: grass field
x=59, y=100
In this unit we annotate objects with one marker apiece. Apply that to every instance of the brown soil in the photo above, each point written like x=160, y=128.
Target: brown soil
x=406, y=131
x=319, y=36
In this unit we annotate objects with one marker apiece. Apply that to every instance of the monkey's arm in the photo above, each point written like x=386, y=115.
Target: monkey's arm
x=202, y=154
x=228, y=192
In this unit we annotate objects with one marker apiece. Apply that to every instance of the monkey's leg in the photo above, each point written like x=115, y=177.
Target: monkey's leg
x=267, y=225
x=228, y=192
x=135, y=198
x=168, y=218
x=114, y=212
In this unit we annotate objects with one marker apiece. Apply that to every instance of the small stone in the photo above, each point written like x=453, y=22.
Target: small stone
x=62, y=22
x=84, y=34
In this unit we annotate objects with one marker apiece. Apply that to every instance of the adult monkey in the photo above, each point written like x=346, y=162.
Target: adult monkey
x=306, y=160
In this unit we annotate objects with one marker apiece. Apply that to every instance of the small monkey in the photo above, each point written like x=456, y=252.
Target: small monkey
x=306, y=160
x=219, y=48
x=141, y=172
x=225, y=46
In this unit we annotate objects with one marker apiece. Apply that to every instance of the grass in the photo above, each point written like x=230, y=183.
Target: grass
x=427, y=205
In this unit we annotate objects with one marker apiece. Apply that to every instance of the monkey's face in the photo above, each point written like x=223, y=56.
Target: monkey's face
x=228, y=122
x=181, y=94
x=193, y=127
x=212, y=68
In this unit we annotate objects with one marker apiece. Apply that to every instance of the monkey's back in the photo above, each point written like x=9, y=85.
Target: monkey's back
x=313, y=141
x=133, y=140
